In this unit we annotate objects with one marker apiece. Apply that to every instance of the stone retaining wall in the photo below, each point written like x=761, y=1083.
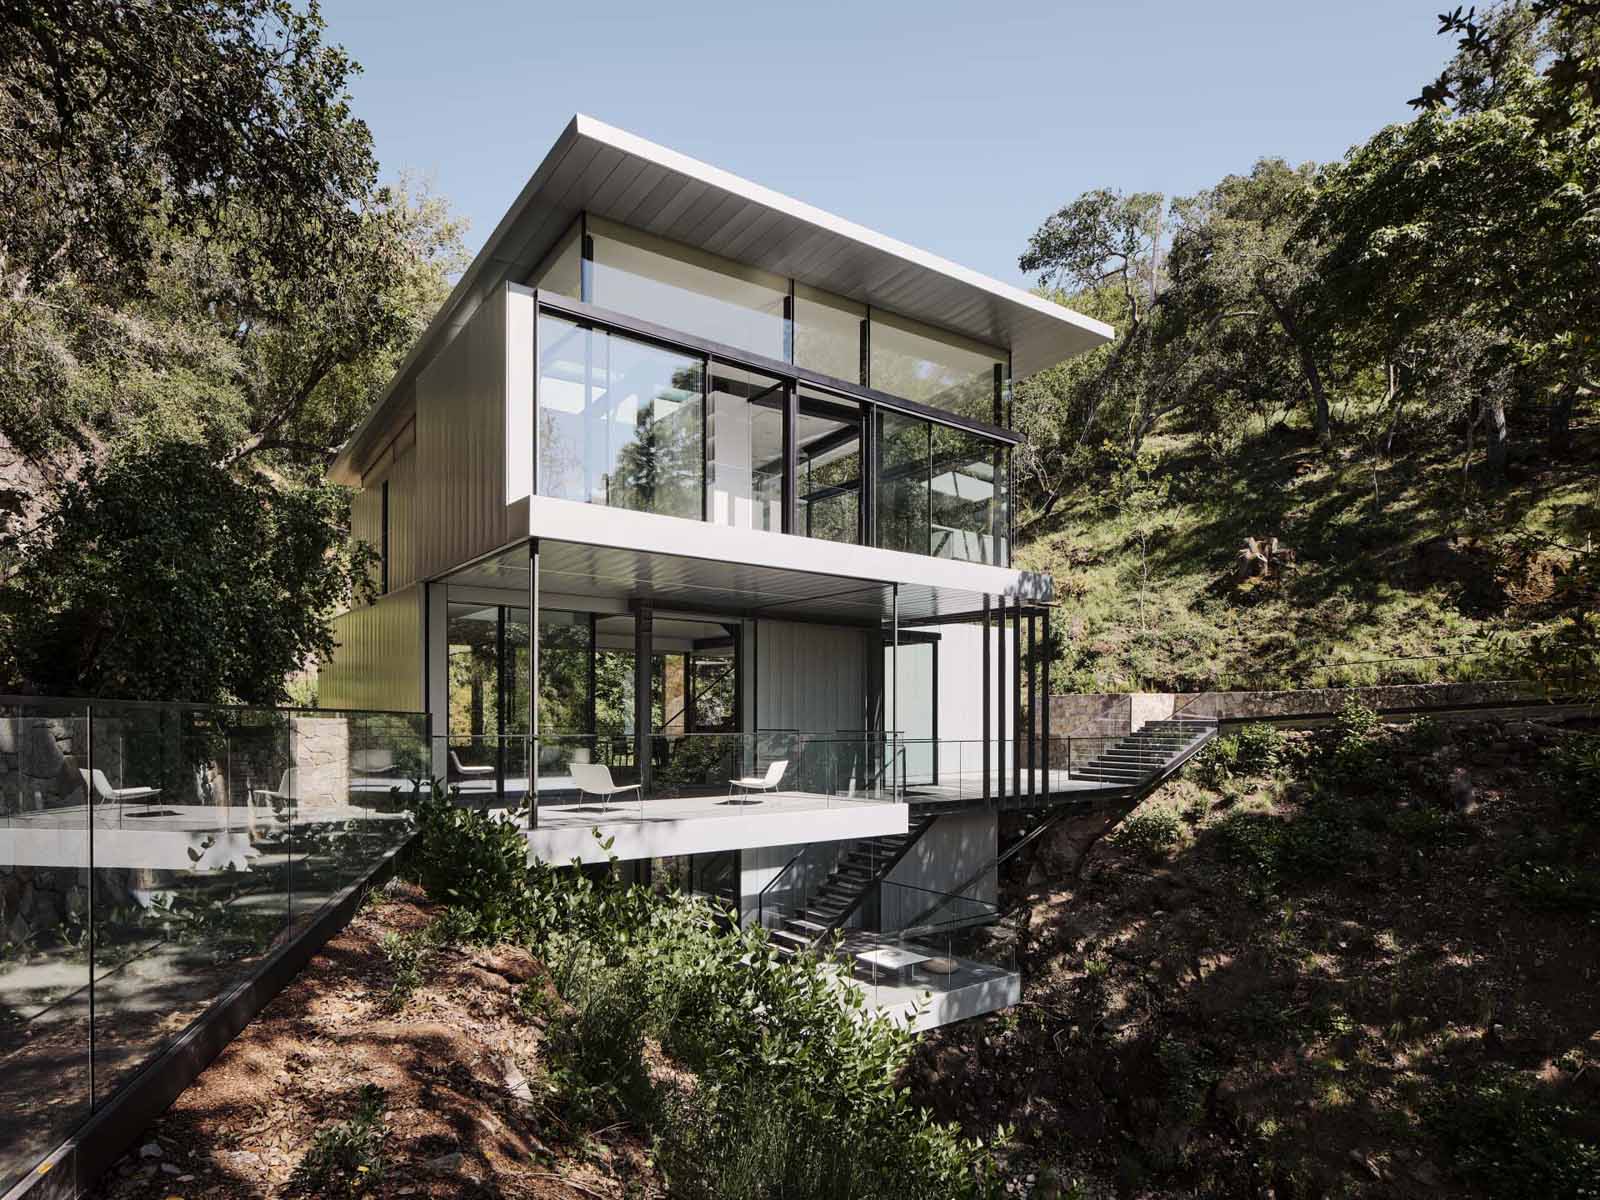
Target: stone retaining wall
x=1111, y=715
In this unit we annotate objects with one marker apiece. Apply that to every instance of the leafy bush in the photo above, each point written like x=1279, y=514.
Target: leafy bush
x=1149, y=834
x=1505, y=1137
x=347, y=1157
x=1572, y=769
x=1259, y=748
x=1554, y=887
x=794, y=1088
x=1215, y=763
x=1272, y=850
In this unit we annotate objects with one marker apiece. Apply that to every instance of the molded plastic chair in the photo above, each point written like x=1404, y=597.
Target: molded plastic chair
x=594, y=779
x=466, y=772
x=761, y=783
x=106, y=794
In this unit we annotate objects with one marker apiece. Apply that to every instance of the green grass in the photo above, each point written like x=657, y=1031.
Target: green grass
x=1355, y=610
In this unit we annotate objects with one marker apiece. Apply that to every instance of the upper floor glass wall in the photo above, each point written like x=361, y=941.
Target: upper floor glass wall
x=689, y=290
x=936, y=368
x=678, y=287
x=827, y=333
x=621, y=422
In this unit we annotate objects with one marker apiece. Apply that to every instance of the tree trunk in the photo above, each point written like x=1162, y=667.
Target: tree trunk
x=1321, y=419
x=1561, y=420
x=1496, y=437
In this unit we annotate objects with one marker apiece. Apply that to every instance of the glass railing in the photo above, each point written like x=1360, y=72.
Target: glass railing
x=1011, y=771
x=928, y=942
x=151, y=857
x=583, y=775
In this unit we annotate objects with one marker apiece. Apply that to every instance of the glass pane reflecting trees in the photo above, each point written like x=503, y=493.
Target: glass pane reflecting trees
x=828, y=468
x=621, y=422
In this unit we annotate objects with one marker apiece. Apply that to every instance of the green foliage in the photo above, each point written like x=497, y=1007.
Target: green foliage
x=347, y=1158
x=1149, y=834
x=1214, y=765
x=1260, y=746
x=1270, y=851
x=1504, y=1136
x=408, y=953
x=164, y=576
x=1556, y=887
x=1572, y=769
x=774, y=1044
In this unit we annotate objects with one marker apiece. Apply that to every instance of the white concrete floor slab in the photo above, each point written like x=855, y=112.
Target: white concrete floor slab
x=705, y=824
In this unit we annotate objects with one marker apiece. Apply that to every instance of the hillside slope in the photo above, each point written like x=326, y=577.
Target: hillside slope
x=1360, y=963
x=1395, y=574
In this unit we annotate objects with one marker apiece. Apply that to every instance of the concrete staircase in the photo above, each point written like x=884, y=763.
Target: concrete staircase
x=1151, y=752
x=837, y=897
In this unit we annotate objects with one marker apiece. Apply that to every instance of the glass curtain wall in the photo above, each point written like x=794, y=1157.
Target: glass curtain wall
x=621, y=421
x=941, y=491
x=828, y=467
x=683, y=288
x=827, y=333
x=744, y=428
x=487, y=673
x=939, y=369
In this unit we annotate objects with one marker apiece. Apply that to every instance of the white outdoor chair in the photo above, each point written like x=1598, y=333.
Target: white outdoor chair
x=104, y=793
x=759, y=783
x=466, y=772
x=594, y=779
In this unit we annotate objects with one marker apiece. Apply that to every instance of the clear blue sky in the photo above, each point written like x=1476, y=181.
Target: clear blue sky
x=957, y=127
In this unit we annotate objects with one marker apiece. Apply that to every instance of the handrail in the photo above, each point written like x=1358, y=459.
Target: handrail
x=761, y=896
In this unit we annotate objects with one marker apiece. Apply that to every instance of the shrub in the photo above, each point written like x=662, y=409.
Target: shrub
x=1149, y=834
x=794, y=1089
x=1260, y=747
x=347, y=1157
x=1272, y=850
x=1215, y=763
x=1505, y=1137
x=1572, y=769
x=1553, y=887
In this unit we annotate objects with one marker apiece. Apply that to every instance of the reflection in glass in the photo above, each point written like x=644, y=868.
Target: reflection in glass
x=968, y=516
x=827, y=333
x=942, y=370
x=745, y=428
x=562, y=269
x=683, y=288
x=828, y=468
x=902, y=482
x=620, y=421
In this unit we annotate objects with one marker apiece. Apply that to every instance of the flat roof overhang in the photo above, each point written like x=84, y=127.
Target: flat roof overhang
x=590, y=550
x=600, y=169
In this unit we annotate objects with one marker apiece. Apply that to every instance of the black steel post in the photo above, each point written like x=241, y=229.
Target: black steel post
x=986, y=700
x=1001, y=702
x=1016, y=700
x=643, y=670
x=1033, y=706
x=1049, y=653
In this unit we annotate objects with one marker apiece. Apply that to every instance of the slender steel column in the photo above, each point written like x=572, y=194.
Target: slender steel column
x=1016, y=700
x=643, y=664
x=894, y=662
x=533, y=683
x=987, y=683
x=1033, y=706
x=1049, y=653
x=1001, y=701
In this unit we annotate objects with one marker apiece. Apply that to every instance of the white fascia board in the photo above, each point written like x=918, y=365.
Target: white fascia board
x=726, y=181
x=652, y=533
x=655, y=838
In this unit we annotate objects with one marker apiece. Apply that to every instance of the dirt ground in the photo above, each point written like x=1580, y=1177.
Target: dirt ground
x=457, y=1063
x=1184, y=1033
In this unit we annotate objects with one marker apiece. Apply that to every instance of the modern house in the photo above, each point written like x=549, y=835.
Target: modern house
x=745, y=468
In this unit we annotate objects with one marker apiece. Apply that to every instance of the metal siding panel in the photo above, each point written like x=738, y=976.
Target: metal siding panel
x=460, y=450
x=377, y=662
